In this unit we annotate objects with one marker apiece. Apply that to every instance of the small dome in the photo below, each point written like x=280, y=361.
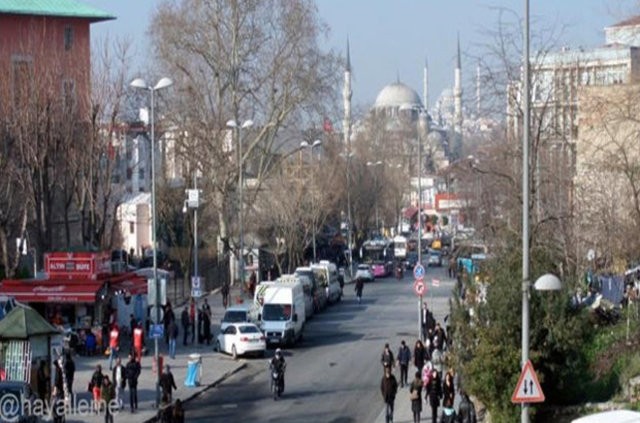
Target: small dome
x=397, y=95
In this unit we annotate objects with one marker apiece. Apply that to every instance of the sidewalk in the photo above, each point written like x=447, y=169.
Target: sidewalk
x=215, y=368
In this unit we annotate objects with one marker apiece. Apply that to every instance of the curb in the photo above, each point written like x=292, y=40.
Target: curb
x=204, y=389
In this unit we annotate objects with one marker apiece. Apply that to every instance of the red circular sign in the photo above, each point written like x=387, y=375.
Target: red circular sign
x=419, y=287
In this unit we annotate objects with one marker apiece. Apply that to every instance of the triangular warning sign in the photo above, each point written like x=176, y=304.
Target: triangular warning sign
x=528, y=388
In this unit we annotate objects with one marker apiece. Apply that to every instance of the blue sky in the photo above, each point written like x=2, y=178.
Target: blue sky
x=392, y=37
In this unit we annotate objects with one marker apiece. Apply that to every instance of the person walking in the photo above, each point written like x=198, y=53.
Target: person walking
x=404, y=357
x=132, y=372
x=358, y=288
x=434, y=394
x=184, y=319
x=415, y=395
x=419, y=355
x=167, y=383
x=387, y=359
x=106, y=395
x=466, y=409
x=138, y=341
x=224, y=291
x=43, y=380
x=206, y=326
x=69, y=372
x=58, y=377
x=448, y=390
x=118, y=375
x=173, y=338
x=178, y=412
x=192, y=319
x=114, y=344
x=389, y=389
x=95, y=386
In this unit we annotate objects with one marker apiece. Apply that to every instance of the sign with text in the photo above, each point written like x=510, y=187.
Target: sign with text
x=77, y=265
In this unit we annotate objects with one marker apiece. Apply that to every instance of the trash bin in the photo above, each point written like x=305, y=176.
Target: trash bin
x=154, y=367
x=194, y=369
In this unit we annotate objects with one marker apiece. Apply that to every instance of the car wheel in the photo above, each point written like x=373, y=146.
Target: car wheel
x=234, y=352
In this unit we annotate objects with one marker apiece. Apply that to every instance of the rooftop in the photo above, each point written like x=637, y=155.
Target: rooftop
x=634, y=21
x=57, y=8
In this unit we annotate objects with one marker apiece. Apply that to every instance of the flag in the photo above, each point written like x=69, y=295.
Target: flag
x=435, y=282
x=326, y=125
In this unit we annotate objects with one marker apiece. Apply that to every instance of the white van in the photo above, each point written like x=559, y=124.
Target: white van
x=318, y=292
x=258, y=300
x=327, y=273
x=306, y=289
x=283, y=313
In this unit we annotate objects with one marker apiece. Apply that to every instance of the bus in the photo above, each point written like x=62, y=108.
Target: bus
x=400, y=247
x=379, y=253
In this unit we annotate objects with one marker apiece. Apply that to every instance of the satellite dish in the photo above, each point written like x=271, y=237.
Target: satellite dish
x=591, y=254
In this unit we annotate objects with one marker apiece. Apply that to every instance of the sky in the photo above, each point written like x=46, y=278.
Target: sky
x=391, y=39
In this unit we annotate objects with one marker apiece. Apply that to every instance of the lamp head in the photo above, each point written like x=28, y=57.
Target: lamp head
x=163, y=83
x=232, y=123
x=316, y=143
x=548, y=282
x=139, y=83
x=304, y=144
x=247, y=123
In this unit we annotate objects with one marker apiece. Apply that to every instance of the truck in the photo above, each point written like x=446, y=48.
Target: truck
x=327, y=275
x=283, y=313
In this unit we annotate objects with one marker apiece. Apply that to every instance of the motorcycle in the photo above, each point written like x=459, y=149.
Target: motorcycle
x=399, y=272
x=277, y=383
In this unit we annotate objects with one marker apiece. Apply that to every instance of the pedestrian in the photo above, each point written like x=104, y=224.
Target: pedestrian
x=206, y=308
x=206, y=326
x=224, y=291
x=466, y=409
x=107, y=395
x=434, y=394
x=95, y=386
x=192, y=318
x=114, y=344
x=184, y=318
x=437, y=359
x=57, y=406
x=448, y=415
x=439, y=337
x=132, y=325
x=167, y=318
x=358, y=289
x=132, y=372
x=167, y=383
x=173, y=338
x=58, y=377
x=389, y=389
x=69, y=372
x=43, y=380
x=138, y=341
x=165, y=411
x=415, y=395
x=387, y=359
x=404, y=357
x=448, y=390
x=178, y=412
x=119, y=381
x=419, y=355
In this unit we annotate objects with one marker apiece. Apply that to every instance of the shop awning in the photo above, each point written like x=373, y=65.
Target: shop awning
x=51, y=291
x=410, y=212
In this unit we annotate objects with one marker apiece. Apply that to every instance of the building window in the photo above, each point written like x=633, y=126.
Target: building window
x=68, y=38
x=132, y=228
x=69, y=95
x=22, y=82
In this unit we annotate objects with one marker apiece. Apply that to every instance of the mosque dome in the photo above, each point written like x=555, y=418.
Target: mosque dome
x=397, y=95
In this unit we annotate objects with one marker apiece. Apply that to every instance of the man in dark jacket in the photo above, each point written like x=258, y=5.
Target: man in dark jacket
x=404, y=357
x=389, y=389
x=466, y=409
x=132, y=371
x=69, y=372
x=387, y=359
x=167, y=383
x=184, y=318
x=434, y=394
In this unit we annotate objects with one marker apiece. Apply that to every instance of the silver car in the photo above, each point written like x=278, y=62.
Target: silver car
x=365, y=273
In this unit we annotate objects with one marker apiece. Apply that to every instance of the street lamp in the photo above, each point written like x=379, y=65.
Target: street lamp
x=246, y=124
x=141, y=84
x=193, y=202
x=375, y=181
x=305, y=144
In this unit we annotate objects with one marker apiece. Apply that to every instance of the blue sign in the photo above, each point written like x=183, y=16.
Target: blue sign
x=157, y=331
x=418, y=271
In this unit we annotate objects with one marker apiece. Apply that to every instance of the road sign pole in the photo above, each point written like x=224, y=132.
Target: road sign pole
x=420, y=317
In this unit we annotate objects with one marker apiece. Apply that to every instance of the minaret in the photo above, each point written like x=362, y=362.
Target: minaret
x=457, y=95
x=478, y=90
x=346, y=96
x=425, y=85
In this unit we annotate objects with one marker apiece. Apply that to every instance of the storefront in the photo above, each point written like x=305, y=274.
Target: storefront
x=80, y=293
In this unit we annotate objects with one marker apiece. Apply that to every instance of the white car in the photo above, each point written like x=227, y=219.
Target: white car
x=365, y=273
x=241, y=339
x=235, y=314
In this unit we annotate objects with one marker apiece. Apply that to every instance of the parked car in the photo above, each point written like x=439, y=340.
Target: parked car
x=235, y=314
x=21, y=391
x=365, y=273
x=435, y=258
x=241, y=339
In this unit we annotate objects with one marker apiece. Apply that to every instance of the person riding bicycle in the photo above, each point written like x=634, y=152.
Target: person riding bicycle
x=278, y=364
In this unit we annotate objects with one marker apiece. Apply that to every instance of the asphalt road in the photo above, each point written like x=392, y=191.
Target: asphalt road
x=334, y=374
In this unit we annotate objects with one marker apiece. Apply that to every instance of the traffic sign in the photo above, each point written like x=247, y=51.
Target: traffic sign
x=419, y=287
x=153, y=313
x=418, y=271
x=157, y=331
x=435, y=282
x=528, y=388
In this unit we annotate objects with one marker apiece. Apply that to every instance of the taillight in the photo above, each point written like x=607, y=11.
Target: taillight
x=262, y=338
x=244, y=339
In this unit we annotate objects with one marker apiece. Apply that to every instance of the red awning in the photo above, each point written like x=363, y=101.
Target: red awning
x=134, y=285
x=410, y=212
x=51, y=291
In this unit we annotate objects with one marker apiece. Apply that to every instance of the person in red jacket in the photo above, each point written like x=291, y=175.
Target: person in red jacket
x=114, y=344
x=138, y=341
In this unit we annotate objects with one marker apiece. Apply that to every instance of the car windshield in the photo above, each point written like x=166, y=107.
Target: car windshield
x=235, y=316
x=280, y=312
x=363, y=267
x=248, y=329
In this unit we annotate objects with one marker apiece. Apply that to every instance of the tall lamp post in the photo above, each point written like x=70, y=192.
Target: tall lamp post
x=305, y=144
x=141, y=84
x=238, y=127
x=375, y=179
x=193, y=202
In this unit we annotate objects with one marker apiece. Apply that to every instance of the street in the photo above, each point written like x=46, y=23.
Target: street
x=334, y=374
